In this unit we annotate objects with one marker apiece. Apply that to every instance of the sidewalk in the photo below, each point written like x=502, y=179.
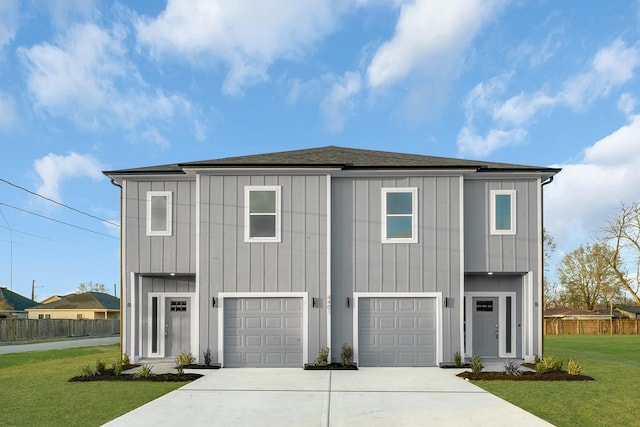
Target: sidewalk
x=15, y=347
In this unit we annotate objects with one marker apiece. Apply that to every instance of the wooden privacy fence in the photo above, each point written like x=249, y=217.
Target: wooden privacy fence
x=591, y=326
x=24, y=329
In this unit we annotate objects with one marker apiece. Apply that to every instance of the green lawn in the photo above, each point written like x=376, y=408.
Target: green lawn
x=614, y=362
x=36, y=391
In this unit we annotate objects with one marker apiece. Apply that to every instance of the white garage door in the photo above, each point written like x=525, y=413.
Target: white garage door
x=397, y=331
x=263, y=332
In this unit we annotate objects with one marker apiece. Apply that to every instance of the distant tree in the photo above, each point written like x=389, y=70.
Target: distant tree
x=586, y=277
x=622, y=233
x=92, y=287
x=551, y=292
x=4, y=305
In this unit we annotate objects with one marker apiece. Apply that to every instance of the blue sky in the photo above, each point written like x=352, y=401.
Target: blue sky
x=87, y=86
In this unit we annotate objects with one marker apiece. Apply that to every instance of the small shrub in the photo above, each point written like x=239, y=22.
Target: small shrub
x=117, y=367
x=323, y=356
x=185, y=359
x=207, y=357
x=125, y=359
x=100, y=366
x=536, y=359
x=457, y=359
x=541, y=368
x=476, y=365
x=573, y=367
x=145, y=371
x=88, y=371
x=512, y=368
x=346, y=354
x=552, y=364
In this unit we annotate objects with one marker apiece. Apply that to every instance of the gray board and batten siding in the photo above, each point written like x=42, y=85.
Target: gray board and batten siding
x=296, y=264
x=207, y=248
x=362, y=264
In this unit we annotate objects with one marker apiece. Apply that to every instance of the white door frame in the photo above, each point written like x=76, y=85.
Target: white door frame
x=436, y=295
x=162, y=297
x=305, y=317
x=502, y=321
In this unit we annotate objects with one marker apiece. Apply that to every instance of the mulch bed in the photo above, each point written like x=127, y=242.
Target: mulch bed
x=212, y=366
x=525, y=376
x=330, y=367
x=110, y=376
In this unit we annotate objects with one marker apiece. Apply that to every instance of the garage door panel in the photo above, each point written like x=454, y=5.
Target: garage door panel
x=397, y=331
x=263, y=332
x=253, y=323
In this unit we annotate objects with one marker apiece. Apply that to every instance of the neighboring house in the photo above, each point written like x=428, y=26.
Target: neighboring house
x=264, y=259
x=52, y=298
x=13, y=304
x=628, y=311
x=576, y=314
x=87, y=305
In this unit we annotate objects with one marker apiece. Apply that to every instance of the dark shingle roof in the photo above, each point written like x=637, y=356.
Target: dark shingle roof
x=17, y=301
x=629, y=308
x=337, y=157
x=84, y=301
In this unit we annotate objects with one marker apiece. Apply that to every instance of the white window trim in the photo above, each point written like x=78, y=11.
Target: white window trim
x=305, y=317
x=168, y=229
x=356, y=308
x=512, y=194
x=247, y=214
x=414, y=214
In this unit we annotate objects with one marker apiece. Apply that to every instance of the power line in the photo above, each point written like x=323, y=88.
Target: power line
x=59, y=203
x=58, y=221
x=30, y=234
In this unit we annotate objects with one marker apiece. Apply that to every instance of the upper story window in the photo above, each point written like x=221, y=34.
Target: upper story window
x=159, y=213
x=262, y=214
x=503, y=212
x=399, y=215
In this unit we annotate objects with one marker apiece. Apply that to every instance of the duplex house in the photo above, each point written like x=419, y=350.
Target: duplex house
x=264, y=259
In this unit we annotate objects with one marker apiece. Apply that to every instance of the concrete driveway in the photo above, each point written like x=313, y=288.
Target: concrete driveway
x=294, y=397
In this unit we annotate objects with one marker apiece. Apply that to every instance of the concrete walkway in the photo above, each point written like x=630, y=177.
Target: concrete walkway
x=368, y=397
x=56, y=345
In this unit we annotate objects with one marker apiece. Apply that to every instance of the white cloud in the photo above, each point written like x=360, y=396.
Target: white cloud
x=339, y=102
x=8, y=115
x=86, y=76
x=9, y=12
x=245, y=35
x=611, y=67
x=586, y=193
x=430, y=38
x=470, y=142
x=627, y=103
x=53, y=169
x=65, y=12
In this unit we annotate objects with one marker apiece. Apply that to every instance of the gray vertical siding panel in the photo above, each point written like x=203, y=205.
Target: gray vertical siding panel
x=500, y=253
x=361, y=262
x=161, y=254
x=297, y=263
